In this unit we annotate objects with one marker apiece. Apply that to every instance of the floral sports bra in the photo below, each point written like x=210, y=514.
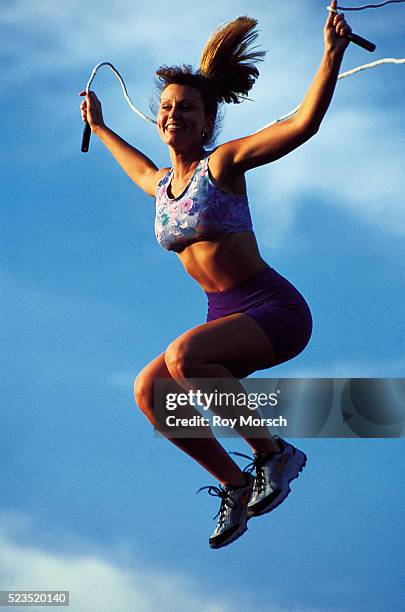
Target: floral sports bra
x=201, y=212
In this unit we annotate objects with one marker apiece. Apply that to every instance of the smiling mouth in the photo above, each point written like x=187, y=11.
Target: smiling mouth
x=174, y=128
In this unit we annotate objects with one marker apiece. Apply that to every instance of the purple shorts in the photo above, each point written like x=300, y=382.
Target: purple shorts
x=275, y=304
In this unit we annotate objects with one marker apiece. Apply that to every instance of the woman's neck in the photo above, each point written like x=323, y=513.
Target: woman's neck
x=185, y=162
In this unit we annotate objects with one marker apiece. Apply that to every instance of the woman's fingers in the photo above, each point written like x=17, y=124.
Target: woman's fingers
x=340, y=25
x=342, y=28
x=332, y=13
x=337, y=18
x=91, y=110
x=83, y=108
x=339, y=21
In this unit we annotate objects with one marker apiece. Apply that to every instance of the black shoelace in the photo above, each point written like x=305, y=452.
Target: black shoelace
x=256, y=464
x=226, y=500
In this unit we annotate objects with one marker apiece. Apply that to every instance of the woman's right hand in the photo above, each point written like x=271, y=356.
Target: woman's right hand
x=91, y=111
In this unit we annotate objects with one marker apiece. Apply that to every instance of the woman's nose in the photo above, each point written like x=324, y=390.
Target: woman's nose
x=174, y=112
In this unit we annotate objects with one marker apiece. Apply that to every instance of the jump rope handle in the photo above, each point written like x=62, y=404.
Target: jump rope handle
x=362, y=42
x=355, y=38
x=86, y=138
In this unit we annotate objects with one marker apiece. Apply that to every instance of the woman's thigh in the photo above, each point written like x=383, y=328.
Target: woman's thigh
x=235, y=341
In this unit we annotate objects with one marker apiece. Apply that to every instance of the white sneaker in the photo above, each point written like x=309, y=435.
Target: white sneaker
x=232, y=514
x=274, y=472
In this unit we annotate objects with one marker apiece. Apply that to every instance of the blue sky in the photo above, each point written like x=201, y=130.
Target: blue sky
x=92, y=501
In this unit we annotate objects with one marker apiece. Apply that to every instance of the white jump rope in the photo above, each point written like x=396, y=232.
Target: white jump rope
x=355, y=38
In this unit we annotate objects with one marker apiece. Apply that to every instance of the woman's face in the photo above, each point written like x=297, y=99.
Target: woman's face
x=181, y=119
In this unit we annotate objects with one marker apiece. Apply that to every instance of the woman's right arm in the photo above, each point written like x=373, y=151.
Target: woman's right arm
x=138, y=166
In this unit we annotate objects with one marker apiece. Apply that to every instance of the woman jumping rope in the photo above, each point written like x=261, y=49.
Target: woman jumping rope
x=256, y=318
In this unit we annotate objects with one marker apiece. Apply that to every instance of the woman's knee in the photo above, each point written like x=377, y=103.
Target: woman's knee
x=179, y=359
x=144, y=385
x=143, y=393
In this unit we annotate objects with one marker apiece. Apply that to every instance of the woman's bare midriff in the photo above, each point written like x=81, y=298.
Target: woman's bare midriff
x=224, y=262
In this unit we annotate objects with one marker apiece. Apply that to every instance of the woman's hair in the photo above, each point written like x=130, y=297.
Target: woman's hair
x=226, y=72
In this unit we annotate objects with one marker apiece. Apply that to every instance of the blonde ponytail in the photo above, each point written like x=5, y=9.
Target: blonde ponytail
x=227, y=60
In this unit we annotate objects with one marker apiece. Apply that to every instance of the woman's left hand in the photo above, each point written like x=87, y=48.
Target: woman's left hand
x=335, y=31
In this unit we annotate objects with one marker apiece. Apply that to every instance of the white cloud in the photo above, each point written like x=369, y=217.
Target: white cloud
x=121, y=380
x=95, y=581
x=355, y=162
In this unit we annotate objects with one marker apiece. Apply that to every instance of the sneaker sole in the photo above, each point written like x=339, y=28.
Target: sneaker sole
x=300, y=461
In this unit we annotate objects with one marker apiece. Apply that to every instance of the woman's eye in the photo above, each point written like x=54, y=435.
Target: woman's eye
x=183, y=108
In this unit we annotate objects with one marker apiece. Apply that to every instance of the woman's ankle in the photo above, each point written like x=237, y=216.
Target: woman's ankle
x=265, y=446
x=239, y=482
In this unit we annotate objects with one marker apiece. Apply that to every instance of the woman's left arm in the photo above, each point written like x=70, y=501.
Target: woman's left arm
x=318, y=98
x=274, y=142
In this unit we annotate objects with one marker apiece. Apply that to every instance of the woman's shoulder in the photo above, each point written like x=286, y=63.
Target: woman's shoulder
x=221, y=162
x=160, y=175
x=151, y=180
x=223, y=172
